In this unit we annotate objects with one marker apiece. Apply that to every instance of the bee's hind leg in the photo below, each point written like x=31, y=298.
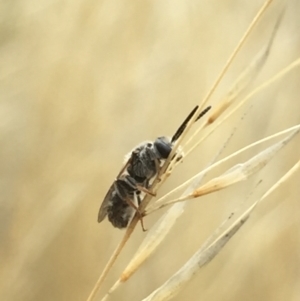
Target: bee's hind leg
x=138, y=211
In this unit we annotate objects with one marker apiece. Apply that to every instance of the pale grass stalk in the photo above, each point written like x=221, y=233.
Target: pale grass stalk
x=234, y=53
x=242, y=171
x=112, y=259
x=282, y=180
x=243, y=81
x=218, y=80
x=203, y=256
x=153, y=239
x=209, y=250
x=255, y=91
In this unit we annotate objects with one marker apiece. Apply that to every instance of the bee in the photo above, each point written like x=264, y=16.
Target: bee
x=133, y=181
x=147, y=158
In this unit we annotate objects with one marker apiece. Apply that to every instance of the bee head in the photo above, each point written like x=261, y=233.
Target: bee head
x=162, y=147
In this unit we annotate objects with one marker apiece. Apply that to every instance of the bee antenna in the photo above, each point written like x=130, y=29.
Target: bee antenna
x=183, y=125
x=185, y=122
x=203, y=113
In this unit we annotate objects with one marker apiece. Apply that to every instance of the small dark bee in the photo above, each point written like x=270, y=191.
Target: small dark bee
x=147, y=158
x=142, y=166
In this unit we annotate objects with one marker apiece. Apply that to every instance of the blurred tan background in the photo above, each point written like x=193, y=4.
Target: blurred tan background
x=83, y=82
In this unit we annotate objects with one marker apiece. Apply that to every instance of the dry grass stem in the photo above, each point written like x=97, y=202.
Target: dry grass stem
x=245, y=79
x=236, y=51
x=219, y=78
x=248, y=97
x=203, y=256
x=210, y=249
x=282, y=180
x=243, y=171
x=153, y=239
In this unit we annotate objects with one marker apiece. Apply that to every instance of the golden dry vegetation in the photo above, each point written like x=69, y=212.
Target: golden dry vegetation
x=81, y=83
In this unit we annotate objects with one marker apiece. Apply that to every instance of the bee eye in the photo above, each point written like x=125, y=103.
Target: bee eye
x=163, y=147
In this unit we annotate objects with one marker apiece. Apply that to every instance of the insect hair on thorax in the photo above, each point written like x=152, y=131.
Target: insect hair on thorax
x=179, y=150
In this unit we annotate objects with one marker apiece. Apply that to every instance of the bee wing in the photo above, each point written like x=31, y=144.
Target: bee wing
x=105, y=204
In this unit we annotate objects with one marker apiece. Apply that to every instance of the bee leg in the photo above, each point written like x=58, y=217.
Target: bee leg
x=179, y=158
x=143, y=189
x=138, y=211
x=142, y=224
x=136, y=196
x=157, y=167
